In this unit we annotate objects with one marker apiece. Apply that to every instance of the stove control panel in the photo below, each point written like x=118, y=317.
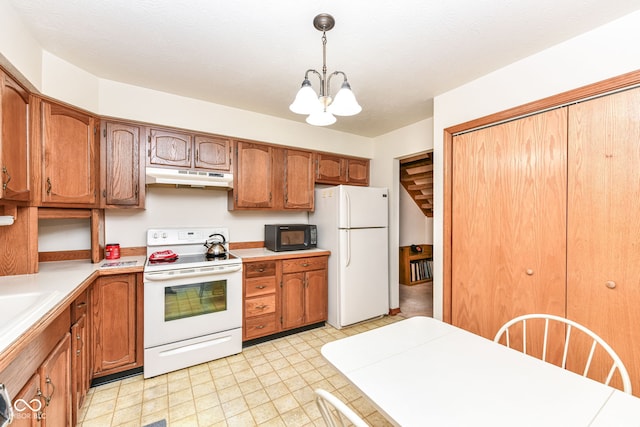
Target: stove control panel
x=182, y=236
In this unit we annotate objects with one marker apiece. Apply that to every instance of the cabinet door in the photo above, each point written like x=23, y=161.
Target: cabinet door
x=55, y=383
x=70, y=155
x=253, y=176
x=509, y=222
x=114, y=324
x=212, y=153
x=80, y=369
x=293, y=300
x=122, y=164
x=330, y=169
x=298, y=179
x=14, y=141
x=29, y=404
x=358, y=172
x=603, y=248
x=169, y=148
x=315, y=296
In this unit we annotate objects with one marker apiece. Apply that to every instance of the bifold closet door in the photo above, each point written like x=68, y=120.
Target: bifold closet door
x=603, y=262
x=509, y=222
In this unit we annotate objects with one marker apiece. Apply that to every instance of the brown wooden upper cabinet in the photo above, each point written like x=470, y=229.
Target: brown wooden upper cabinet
x=173, y=148
x=271, y=177
x=122, y=165
x=14, y=141
x=252, y=180
x=70, y=156
x=336, y=169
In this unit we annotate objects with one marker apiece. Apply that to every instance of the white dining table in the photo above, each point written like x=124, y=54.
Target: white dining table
x=424, y=372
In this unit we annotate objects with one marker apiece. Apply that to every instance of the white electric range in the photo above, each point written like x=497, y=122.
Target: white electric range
x=192, y=302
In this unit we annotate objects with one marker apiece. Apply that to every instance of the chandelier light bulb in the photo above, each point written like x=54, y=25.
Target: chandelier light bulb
x=321, y=118
x=306, y=101
x=345, y=103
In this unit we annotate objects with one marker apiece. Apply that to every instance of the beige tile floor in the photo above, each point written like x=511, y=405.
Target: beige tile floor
x=269, y=384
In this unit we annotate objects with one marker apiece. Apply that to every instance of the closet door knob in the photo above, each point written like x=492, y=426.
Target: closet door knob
x=610, y=284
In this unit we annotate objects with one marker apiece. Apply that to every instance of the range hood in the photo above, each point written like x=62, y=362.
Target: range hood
x=189, y=178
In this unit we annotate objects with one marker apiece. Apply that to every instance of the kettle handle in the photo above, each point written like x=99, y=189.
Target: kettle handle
x=218, y=234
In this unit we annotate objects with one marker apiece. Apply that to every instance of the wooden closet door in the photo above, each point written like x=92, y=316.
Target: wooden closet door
x=509, y=222
x=603, y=264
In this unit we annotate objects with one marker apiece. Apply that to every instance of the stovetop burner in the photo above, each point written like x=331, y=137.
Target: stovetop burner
x=193, y=259
x=188, y=245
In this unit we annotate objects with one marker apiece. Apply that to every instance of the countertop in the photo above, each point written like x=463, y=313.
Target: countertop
x=34, y=299
x=264, y=254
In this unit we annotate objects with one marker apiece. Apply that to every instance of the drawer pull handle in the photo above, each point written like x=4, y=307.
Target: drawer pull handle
x=610, y=284
x=306, y=264
x=260, y=326
x=260, y=287
x=261, y=307
x=81, y=304
x=261, y=270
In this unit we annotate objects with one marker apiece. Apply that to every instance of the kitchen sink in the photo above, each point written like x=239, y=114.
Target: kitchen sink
x=19, y=311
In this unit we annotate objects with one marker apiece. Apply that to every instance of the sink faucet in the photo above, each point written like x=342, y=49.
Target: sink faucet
x=6, y=412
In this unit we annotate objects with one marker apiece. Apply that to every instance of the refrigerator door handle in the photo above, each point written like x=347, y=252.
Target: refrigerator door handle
x=348, y=248
x=348, y=203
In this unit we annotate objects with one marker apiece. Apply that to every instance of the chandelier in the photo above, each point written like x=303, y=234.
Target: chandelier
x=322, y=109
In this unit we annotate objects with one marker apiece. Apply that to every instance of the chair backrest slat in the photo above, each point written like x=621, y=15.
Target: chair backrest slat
x=596, y=341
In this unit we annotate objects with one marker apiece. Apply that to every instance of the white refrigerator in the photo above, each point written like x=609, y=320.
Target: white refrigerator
x=353, y=224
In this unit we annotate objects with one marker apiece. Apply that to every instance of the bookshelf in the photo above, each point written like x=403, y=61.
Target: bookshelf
x=415, y=267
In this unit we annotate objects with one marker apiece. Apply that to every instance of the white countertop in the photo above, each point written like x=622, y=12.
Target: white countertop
x=246, y=254
x=27, y=298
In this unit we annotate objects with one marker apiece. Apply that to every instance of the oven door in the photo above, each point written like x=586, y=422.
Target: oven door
x=189, y=303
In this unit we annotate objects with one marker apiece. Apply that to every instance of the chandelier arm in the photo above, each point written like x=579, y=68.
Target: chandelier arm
x=344, y=76
x=311, y=70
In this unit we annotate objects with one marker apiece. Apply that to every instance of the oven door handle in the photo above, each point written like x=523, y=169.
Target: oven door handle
x=207, y=271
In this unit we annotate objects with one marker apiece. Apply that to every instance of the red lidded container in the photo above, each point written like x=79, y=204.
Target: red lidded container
x=112, y=251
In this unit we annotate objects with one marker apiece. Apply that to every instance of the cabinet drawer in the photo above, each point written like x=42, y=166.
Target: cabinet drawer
x=260, y=305
x=304, y=264
x=260, y=269
x=80, y=306
x=259, y=286
x=259, y=326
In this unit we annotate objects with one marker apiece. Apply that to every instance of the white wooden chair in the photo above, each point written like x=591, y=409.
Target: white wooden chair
x=595, y=341
x=334, y=411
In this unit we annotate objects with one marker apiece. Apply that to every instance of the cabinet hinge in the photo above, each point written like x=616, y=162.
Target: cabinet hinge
x=281, y=320
x=104, y=132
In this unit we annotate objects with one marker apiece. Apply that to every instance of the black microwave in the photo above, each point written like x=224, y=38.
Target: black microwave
x=290, y=237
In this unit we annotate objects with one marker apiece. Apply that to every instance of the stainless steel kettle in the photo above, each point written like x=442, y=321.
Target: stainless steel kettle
x=215, y=246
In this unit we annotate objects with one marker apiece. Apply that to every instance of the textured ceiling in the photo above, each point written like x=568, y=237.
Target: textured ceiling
x=252, y=54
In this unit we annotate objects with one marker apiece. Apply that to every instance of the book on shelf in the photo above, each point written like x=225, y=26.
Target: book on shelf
x=421, y=269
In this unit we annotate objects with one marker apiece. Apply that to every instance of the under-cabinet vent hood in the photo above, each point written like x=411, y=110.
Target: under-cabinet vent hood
x=189, y=178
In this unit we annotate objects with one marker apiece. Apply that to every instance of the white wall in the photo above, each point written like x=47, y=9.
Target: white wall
x=19, y=52
x=385, y=172
x=604, y=52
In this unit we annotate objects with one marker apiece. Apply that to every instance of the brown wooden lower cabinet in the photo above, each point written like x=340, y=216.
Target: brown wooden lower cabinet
x=45, y=400
x=29, y=416
x=80, y=367
x=116, y=324
x=55, y=383
x=283, y=294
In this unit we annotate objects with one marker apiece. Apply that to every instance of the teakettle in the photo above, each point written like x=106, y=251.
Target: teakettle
x=215, y=246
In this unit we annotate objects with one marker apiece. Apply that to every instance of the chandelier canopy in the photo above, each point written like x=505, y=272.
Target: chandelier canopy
x=322, y=109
